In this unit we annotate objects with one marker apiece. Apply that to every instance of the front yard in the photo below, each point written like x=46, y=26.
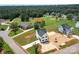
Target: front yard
x=3, y=27
x=25, y=38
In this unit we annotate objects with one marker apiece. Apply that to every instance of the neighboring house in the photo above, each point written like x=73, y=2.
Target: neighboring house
x=25, y=26
x=74, y=18
x=41, y=35
x=77, y=24
x=66, y=29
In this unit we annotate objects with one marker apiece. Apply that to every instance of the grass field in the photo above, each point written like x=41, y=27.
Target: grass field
x=26, y=38
x=31, y=50
x=12, y=33
x=18, y=20
x=6, y=48
x=3, y=27
x=52, y=24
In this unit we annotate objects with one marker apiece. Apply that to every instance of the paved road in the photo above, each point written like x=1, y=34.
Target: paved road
x=17, y=49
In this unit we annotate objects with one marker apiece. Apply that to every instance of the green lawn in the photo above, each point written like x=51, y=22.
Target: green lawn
x=6, y=48
x=3, y=27
x=18, y=20
x=26, y=38
x=12, y=33
x=52, y=24
x=31, y=50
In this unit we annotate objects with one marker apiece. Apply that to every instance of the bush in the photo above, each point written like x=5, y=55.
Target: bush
x=39, y=23
x=69, y=16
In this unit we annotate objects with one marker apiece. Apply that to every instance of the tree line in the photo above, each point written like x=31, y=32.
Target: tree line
x=26, y=12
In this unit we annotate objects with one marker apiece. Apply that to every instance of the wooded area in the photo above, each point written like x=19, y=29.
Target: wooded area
x=26, y=12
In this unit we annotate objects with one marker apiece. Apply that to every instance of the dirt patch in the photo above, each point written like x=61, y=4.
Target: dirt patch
x=55, y=40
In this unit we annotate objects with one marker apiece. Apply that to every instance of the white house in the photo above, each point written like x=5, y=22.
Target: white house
x=41, y=35
x=77, y=24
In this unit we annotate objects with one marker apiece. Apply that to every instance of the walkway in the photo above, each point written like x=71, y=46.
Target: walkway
x=75, y=36
x=31, y=44
x=16, y=48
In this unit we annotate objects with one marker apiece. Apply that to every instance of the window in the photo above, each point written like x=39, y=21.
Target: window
x=46, y=39
x=42, y=40
x=42, y=37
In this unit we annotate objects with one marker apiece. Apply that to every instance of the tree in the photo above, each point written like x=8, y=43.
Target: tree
x=24, y=17
x=14, y=26
x=39, y=23
x=37, y=48
x=69, y=16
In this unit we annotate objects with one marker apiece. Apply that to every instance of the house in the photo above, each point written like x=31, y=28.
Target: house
x=25, y=26
x=41, y=35
x=66, y=29
x=77, y=24
x=74, y=18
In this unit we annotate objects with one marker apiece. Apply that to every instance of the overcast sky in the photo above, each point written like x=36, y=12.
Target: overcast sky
x=37, y=2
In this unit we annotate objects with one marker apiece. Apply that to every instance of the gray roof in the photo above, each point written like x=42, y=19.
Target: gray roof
x=25, y=25
x=66, y=26
x=41, y=32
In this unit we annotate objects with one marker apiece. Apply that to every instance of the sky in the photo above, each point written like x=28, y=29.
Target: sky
x=37, y=2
